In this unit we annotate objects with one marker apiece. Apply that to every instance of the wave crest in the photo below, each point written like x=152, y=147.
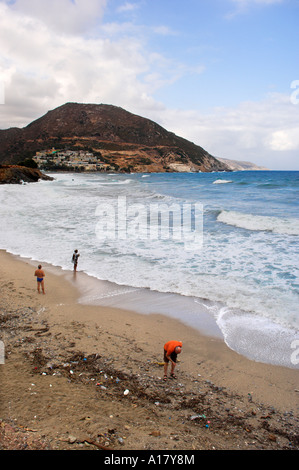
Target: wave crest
x=283, y=226
x=222, y=181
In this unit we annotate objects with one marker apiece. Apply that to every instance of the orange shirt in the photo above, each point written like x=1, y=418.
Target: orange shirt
x=171, y=345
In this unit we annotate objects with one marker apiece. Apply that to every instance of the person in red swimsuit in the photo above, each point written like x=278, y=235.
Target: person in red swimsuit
x=171, y=350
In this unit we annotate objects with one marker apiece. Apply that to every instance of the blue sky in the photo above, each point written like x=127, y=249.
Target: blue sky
x=217, y=72
x=240, y=53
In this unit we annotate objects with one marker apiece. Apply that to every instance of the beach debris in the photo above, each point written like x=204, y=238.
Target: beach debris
x=155, y=433
x=192, y=418
x=102, y=387
x=255, y=424
x=126, y=392
x=98, y=445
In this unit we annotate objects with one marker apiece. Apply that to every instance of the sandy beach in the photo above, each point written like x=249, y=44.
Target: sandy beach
x=88, y=377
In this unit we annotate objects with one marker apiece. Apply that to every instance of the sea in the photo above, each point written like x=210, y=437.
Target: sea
x=217, y=251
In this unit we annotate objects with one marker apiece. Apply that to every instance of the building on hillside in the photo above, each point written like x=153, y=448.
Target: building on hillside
x=72, y=159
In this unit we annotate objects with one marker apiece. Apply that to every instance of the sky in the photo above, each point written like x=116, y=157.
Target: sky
x=221, y=73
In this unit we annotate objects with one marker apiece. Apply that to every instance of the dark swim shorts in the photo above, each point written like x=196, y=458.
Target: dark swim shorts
x=173, y=356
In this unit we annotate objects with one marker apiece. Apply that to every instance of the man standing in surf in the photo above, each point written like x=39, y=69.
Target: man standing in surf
x=75, y=259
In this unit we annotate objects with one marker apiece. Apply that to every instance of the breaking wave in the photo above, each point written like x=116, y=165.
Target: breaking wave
x=222, y=181
x=283, y=226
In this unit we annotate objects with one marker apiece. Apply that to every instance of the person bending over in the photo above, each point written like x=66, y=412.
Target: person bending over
x=171, y=350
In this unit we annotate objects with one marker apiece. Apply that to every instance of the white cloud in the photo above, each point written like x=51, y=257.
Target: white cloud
x=128, y=7
x=61, y=68
x=42, y=70
x=262, y=132
x=163, y=30
x=242, y=6
x=115, y=68
x=64, y=16
x=287, y=139
x=252, y=2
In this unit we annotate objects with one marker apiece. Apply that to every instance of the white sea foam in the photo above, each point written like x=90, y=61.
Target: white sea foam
x=108, y=183
x=222, y=181
x=283, y=226
x=258, y=338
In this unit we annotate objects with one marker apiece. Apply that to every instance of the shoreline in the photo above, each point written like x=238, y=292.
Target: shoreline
x=253, y=337
x=143, y=301
x=211, y=377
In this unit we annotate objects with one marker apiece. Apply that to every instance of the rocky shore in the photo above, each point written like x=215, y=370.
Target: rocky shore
x=14, y=174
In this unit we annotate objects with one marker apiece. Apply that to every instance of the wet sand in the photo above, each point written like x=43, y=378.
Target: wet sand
x=67, y=366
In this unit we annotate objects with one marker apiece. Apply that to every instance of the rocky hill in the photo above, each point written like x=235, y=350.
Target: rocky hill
x=125, y=141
